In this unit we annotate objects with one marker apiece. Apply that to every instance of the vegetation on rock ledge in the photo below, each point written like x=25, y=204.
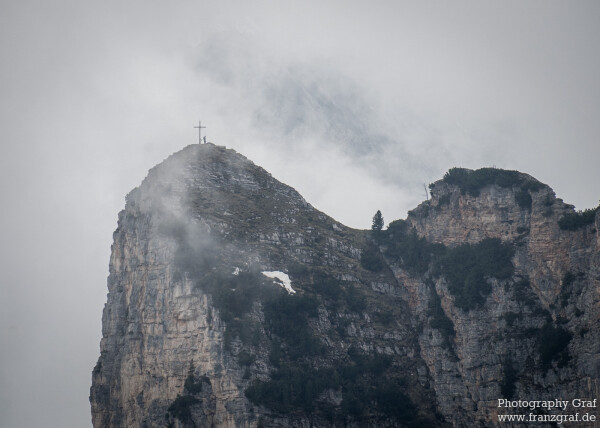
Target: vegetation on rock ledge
x=405, y=246
x=467, y=267
x=579, y=219
x=472, y=182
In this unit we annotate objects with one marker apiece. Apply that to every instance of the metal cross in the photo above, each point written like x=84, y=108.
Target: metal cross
x=200, y=127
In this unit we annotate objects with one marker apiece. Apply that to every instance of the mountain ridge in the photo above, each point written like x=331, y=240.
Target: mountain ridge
x=381, y=331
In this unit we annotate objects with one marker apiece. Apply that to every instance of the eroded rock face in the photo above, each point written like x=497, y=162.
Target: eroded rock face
x=180, y=348
x=154, y=325
x=562, y=290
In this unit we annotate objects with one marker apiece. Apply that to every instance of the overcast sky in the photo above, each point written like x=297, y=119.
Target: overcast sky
x=355, y=104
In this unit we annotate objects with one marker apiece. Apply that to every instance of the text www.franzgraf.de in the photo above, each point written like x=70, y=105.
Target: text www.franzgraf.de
x=579, y=410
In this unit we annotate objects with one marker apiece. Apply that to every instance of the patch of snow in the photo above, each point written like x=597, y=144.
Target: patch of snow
x=282, y=279
x=236, y=271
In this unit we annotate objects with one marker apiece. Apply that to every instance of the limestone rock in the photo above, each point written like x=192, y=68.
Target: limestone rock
x=193, y=335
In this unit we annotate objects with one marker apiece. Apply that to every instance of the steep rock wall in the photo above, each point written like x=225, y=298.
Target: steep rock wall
x=180, y=348
x=561, y=292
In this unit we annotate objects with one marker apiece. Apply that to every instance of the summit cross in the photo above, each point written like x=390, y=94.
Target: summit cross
x=200, y=128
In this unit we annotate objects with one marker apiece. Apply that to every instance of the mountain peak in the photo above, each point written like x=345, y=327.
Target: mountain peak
x=233, y=302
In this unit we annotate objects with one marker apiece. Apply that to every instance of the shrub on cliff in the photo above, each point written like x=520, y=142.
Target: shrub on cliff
x=363, y=380
x=370, y=258
x=180, y=408
x=412, y=252
x=287, y=316
x=292, y=387
x=472, y=182
x=508, y=385
x=523, y=199
x=553, y=345
x=467, y=267
x=577, y=220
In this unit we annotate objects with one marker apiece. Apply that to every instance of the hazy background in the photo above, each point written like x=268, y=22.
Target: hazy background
x=354, y=105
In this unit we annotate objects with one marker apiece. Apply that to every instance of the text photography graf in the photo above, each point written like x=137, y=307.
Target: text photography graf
x=556, y=410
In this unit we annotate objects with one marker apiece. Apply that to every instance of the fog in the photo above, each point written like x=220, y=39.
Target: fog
x=355, y=105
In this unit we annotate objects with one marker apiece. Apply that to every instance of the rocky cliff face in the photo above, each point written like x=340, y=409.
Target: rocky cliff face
x=478, y=295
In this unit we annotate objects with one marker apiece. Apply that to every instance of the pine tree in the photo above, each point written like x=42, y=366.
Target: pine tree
x=377, y=222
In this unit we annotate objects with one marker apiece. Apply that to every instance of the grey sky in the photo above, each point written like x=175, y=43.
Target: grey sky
x=355, y=105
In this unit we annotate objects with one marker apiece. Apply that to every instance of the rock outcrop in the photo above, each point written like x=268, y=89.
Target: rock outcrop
x=479, y=295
